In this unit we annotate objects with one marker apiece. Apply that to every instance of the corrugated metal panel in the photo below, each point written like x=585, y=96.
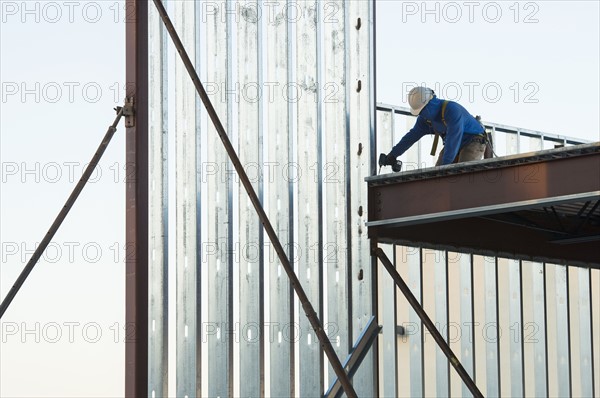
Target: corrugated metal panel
x=249, y=333
x=460, y=319
x=558, y=331
x=579, y=323
x=278, y=195
x=584, y=325
x=510, y=315
x=441, y=319
x=403, y=313
x=308, y=190
x=335, y=201
x=219, y=204
x=491, y=330
x=386, y=287
x=540, y=300
x=186, y=158
x=415, y=274
x=158, y=319
x=553, y=328
x=433, y=264
x=387, y=318
x=563, y=375
x=358, y=19
x=534, y=327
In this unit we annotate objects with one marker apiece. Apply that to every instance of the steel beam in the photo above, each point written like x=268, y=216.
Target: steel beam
x=437, y=202
x=136, y=214
x=448, y=190
x=489, y=238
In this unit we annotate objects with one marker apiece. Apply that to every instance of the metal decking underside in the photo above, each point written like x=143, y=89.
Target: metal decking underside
x=542, y=206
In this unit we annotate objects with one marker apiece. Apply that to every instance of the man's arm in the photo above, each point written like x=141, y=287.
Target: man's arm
x=454, y=134
x=415, y=134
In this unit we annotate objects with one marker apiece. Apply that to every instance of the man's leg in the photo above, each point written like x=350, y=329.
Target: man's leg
x=474, y=150
x=439, y=159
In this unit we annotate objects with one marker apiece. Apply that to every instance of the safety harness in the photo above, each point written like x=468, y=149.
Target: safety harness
x=437, y=135
x=487, y=137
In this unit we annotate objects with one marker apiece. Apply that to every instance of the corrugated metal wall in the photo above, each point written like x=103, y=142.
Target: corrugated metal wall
x=520, y=328
x=292, y=84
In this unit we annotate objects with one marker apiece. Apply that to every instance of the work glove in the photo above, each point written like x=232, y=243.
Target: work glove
x=390, y=160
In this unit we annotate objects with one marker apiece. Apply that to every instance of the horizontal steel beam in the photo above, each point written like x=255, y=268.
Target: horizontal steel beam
x=469, y=207
x=491, y=238
x=559, y=175
x=484, y=210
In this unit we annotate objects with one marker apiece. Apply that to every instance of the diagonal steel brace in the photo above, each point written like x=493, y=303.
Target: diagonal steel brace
x=377, y=251
x=357, y=354
x=62, y=214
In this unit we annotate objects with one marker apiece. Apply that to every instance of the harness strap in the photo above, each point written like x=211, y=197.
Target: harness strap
x=436, y=139
x=444, y=105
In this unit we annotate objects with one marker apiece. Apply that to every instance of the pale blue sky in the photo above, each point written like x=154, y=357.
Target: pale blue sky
x=558, y=56
x=555, y=59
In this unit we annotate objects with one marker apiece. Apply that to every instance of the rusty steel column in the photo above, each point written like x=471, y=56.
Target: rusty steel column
x=136, y=261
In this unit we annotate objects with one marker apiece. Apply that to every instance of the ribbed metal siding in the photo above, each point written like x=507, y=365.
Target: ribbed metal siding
x=280, y=78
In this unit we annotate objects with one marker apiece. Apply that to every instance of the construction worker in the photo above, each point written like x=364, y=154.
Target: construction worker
x=463, y=135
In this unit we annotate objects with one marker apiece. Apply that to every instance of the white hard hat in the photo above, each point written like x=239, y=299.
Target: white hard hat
x=418, y=97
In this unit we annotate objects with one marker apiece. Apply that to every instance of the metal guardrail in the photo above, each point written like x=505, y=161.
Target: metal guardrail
x=497, y=127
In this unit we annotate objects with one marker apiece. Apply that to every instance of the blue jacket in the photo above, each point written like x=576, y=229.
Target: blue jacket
x=461, y=127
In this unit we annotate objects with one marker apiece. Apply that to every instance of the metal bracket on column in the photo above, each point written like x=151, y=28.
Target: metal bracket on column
x=129, y=112
x=412, y=300
x=357, y=354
